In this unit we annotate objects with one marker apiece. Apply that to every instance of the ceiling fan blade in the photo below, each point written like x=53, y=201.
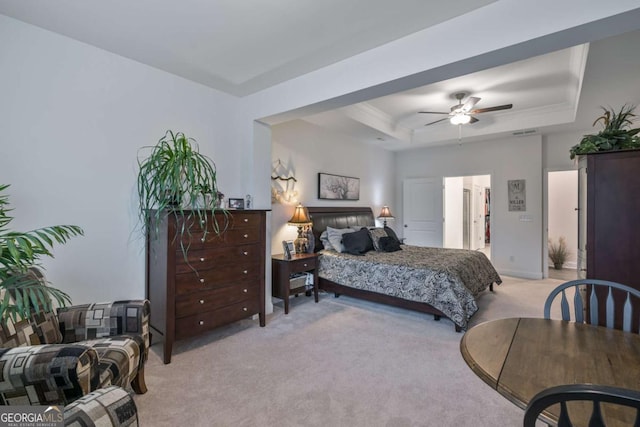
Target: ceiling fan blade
x=488, y=109
x=437, y=121
x=473, y=120
x=471, y=101
x=432, y=112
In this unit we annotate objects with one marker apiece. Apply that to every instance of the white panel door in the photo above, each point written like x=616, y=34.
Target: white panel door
x=423, y=214
x=478, y=217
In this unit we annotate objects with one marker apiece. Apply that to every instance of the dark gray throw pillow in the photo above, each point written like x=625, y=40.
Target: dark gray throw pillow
x=357, y=243
x=392, y=234
x=389, y=244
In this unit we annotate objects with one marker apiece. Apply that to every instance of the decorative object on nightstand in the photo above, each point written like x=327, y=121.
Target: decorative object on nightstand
x=385, y=214
x=300, y=219
x=283, y=269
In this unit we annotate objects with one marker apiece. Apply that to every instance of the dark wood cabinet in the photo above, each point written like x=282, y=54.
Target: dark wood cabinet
x=221, y=279
x=609, y=206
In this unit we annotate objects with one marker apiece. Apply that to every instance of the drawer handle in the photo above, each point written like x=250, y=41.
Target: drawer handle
x=202, y=260
x=201, y=322
x=246, y=235
x=246, y=220
x=244, y=290
x=245, y=253
x=201, y=301
x=244, y=308
x=202, y=222
x=245, y=271
x=305, y=264
x=202, y=240
x=201, y=280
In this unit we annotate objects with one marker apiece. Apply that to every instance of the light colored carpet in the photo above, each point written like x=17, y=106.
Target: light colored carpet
x=341, y=362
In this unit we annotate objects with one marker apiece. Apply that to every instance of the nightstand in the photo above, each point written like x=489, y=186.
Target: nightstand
x=282, y=269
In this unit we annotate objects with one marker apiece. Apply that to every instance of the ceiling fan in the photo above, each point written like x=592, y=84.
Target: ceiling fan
x=462, y=114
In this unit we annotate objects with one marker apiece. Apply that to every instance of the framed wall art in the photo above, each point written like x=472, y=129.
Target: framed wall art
x=517, y=195
x=338, y=187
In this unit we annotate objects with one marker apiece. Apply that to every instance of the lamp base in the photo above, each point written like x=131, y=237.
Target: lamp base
x=301, y=244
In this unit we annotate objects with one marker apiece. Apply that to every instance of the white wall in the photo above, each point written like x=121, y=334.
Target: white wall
x=306, y=150
x=516, y=245
x=453, y=212
x=563, y=217
x=73, y=118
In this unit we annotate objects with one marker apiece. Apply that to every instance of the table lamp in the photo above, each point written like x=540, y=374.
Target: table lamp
x=384, y=214
x=300, y=219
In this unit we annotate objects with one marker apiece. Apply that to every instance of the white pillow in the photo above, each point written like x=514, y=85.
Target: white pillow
x=335, y=237
x=325, y=241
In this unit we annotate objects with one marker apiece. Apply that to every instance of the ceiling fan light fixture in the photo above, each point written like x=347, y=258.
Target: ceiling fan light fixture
x=460, y=119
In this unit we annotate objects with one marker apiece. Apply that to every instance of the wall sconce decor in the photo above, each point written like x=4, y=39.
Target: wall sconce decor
x=385, y=213
x=282, y=184
x=300, y=219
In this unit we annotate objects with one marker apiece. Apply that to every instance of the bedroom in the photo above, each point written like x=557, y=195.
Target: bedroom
x=115, y=106
x=309, y=147
x=77, y=115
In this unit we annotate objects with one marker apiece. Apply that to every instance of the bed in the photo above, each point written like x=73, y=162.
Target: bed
x=442, y=282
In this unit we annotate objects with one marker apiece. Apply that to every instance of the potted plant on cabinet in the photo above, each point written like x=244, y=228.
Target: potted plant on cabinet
x=617, y=133
x=175, y=178
x=18, y=252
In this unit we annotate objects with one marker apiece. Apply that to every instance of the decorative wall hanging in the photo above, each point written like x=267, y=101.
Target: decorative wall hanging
x=338, y=187
x=517, y=195
x=282, y=185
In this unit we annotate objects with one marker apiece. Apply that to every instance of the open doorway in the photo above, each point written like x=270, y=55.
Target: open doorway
x=563, y=220
x=467, y=213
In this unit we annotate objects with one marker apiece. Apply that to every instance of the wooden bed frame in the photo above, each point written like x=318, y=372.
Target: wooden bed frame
x=343, y=217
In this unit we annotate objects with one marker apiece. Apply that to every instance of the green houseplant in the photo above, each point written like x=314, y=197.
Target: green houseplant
x=175, y=178
x=18, y=252
x=558, y=252
x=616, y=134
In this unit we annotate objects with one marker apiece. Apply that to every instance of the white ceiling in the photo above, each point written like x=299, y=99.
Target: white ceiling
x=237, y=46
x=243, y=46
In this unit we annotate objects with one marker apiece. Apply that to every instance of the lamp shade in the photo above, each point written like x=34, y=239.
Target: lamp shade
x=300, y=216
x=385, y=212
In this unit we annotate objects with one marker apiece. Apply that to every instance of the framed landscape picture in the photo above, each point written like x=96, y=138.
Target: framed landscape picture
x=338, y=187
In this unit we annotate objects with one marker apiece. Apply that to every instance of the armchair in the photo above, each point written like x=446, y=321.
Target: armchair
x=56, y=358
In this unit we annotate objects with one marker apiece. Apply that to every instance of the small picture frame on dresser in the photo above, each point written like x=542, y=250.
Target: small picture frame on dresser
x=236, y=203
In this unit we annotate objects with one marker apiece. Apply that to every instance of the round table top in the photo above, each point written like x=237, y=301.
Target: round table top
x=520, y=357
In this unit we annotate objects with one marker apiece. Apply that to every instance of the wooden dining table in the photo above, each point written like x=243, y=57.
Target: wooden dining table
x=519, y=357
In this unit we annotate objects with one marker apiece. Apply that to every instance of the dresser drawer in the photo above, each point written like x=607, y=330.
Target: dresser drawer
x=213, y=299
x=217, y=277
x=212, y=258
x=240, y=219
x=198, y=323
x=300, y=265
x=198, y=240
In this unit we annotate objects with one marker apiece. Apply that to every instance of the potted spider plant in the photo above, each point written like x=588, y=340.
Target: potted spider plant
x=175, y=178
x=22, y=294
x=616, y=134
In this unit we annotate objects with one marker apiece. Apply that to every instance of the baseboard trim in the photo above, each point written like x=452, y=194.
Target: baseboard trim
x=522, y=274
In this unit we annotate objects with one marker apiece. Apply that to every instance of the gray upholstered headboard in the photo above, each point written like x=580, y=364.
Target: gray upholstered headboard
x=338, y=217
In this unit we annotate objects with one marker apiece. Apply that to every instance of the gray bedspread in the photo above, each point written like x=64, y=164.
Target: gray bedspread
x=447, y=279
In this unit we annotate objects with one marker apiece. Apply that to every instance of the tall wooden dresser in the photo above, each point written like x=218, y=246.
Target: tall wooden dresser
x=221, y=281
x=608, y=230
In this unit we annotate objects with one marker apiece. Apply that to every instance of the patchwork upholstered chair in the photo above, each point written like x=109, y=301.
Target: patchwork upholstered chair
x=56, y=358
